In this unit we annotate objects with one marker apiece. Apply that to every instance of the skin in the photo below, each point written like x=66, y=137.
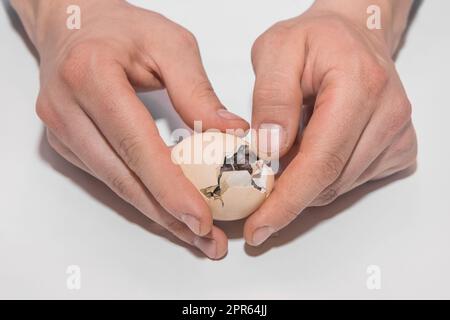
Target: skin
x=94, y=119
x=360, y=128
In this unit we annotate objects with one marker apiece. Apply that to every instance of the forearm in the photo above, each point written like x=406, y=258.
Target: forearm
x=393, y=13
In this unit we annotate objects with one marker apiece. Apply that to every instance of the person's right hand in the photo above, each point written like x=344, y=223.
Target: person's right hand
x=95, y=120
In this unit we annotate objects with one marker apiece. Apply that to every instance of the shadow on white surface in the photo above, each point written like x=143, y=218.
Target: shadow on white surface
x=98, y=190
x=313, y=216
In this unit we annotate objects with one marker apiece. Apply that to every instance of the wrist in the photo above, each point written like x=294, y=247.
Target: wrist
x=45, y=20
x=393, y=17
x=31, y=14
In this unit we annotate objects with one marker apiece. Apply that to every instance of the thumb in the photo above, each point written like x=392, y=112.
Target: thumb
x=191, y=92
x=277, y=96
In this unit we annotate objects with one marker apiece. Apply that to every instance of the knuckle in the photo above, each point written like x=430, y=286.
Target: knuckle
x=405, y=149
x=400, y=115
x=79, y=59
x=283, y=28
x=158, y=16
x=276, y=112
x=160, y=194
x=130, y=150
x=124, y=187
x=175, y=227
x=268, y=94
x=404, y=109
x=377, y=77
x=43, y=110
x=203, y=91
x=52, y=140
x=256, y=47
x=291, y=209
x=275, y=36
x=327, y=196
x=71, y=69
x=329, y=168
x=187, y=38
x=271, y=89
x=49, y=116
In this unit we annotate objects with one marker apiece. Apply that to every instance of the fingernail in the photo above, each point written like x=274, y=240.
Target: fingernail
x=271, y=138
x=261, y=234
x=224, y=113
x=192, y=222
x=207, y=246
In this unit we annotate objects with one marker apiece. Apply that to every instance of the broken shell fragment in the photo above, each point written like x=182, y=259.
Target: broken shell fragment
x=229, y=176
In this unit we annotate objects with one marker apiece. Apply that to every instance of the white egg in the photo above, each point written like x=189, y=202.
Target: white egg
x=226, y=172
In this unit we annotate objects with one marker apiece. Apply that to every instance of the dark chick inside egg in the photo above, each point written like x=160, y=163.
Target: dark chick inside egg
x=231, y=178
x=243, y=160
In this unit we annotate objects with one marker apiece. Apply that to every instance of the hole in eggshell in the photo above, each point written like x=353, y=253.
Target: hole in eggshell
x=244, y=160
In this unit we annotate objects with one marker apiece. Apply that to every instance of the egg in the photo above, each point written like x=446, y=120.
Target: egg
x=233, y=181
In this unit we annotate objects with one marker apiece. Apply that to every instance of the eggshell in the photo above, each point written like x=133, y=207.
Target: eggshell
x=201, y=157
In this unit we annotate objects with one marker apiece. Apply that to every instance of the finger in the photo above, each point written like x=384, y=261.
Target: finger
x=142, y=78
x=337, y=122
x=92, y=152
x=129, y=128
x=386, y=125
x=400, y=155
x=277, y=96
x=189, y=88
x=65, y=152
x=389, y=172
x=214, y=245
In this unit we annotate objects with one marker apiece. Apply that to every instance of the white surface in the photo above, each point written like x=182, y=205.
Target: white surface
x=53, y=215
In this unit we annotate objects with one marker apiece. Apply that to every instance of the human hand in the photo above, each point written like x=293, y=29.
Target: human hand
x=360, y=128
x=94, y=119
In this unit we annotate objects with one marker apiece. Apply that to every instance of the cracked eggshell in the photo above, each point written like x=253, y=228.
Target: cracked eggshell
x=201, y=157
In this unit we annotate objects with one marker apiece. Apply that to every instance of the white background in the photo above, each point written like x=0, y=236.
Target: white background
x=52, y=215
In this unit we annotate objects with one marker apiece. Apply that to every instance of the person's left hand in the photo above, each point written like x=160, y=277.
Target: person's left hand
x=360, y=128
